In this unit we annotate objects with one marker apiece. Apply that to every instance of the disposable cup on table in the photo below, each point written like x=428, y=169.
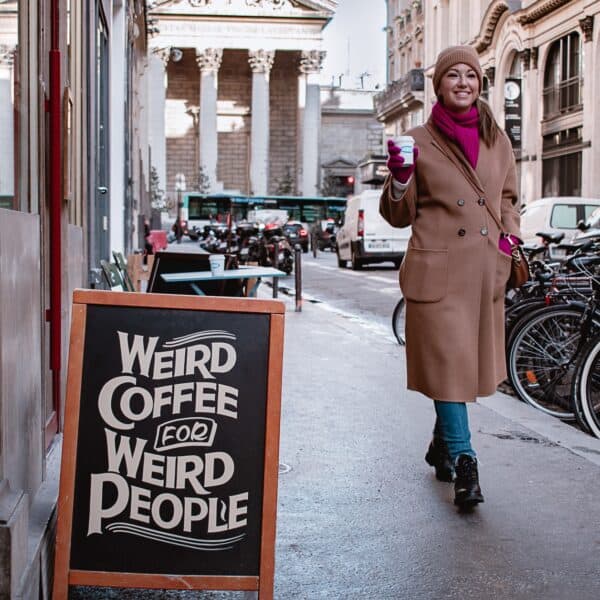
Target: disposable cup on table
x=217, y=264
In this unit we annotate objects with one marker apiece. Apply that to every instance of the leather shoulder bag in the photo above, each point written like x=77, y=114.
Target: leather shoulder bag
x=519, y=268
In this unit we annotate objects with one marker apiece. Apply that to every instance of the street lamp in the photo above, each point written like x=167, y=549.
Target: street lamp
x=179, y=188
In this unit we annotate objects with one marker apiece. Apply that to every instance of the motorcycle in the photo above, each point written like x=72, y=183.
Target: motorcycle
x=275, y=249
x=248, y=243
x=181, y=228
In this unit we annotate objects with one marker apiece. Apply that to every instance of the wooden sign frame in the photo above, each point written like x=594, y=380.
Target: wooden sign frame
x=64, y=575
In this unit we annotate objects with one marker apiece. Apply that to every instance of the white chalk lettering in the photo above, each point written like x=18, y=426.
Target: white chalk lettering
x=105, y=401
x=176, y=510
x=163, y=365
x=99, y=512
x=117, y=453
x=204, y=397
x=137, y=351
x=165, y=510
x=140, y=502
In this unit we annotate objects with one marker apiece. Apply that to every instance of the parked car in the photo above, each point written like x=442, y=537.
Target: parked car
x=589, y=229
x=555, y=215
x=296, y=233
x=366, y=237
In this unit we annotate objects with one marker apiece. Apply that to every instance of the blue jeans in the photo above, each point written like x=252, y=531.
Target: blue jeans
x=452, y=425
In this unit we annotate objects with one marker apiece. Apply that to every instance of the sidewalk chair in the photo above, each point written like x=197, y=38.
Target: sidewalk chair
x=122, y=266
x=112, y=276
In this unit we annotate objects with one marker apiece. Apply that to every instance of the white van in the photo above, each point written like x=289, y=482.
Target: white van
x=555, y=215
x=366, y=237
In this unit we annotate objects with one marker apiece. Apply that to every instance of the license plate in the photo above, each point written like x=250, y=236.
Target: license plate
x=379, y=245
x=558, y=252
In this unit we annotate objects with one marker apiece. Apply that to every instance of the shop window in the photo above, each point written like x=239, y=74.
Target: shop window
x=563, y=77
x=561, y=175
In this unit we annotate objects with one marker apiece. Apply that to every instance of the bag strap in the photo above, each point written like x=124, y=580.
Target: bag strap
x=497, y=221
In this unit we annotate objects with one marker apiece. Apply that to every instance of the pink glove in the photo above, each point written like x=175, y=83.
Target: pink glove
x=505, y=245
x=395, y=162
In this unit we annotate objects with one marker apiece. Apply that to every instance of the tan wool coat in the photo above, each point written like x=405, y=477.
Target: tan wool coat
x=453, y=276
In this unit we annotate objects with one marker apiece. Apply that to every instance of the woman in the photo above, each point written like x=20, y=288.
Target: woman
x=454, y=274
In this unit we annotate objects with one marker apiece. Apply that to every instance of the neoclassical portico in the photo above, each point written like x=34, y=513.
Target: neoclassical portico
x=259, y=108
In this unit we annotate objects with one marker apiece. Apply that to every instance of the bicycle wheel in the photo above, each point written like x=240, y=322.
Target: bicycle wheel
x=541, y=358
x=586, y=387
x=515, y=313
x=398, y=322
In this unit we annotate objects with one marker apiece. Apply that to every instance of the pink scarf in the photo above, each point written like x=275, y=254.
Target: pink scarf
x=460, y=128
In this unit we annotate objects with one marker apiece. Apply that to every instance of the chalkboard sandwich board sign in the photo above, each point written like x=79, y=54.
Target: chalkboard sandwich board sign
x=171, y=443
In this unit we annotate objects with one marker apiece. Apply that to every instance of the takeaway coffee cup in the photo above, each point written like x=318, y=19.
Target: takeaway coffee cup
x=217, y=264
x=406, y=143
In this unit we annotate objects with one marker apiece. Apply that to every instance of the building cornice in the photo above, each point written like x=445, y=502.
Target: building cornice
x=540, y=9
x=245, y=8
x=489, y=24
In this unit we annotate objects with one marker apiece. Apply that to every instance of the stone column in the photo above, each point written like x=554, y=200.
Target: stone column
x=311, y=63
x=530, y=132
x=7, y=125
x=261, y=62
x=209, y=61
x=157, y=100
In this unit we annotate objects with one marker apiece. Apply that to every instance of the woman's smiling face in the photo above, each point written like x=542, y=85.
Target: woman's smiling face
x=459, y=88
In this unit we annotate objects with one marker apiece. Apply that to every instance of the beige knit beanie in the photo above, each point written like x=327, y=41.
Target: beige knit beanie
x=452, y=56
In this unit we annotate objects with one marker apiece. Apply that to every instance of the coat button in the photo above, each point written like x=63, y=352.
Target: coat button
x=481, y=201
x=461, y=232
x=460, y=202
x=484, y=231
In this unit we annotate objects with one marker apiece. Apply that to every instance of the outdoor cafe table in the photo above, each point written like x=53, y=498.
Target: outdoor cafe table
x=244, y=273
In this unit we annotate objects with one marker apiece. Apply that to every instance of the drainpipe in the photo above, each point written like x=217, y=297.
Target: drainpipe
x=55, y=143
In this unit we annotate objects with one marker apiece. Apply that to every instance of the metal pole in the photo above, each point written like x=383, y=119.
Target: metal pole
x=275, y=253
x=178, y=222
x=298, y=276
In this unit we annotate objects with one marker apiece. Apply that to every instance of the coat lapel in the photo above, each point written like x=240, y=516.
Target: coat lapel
x=455, y=154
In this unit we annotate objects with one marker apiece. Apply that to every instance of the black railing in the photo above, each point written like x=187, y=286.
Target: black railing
x=413, y=81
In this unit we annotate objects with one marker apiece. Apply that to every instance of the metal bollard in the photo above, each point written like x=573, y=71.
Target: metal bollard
x=298, y=276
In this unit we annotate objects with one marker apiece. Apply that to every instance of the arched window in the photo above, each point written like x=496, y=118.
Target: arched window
x=485, y=92
x=562, y=77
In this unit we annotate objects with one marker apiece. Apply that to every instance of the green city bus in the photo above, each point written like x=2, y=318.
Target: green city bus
x=201, y=209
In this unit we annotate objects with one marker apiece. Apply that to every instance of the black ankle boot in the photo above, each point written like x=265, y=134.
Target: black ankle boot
x=437, y=456
x=467, y=492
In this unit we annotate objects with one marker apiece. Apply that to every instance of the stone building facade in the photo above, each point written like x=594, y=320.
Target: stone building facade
x=541, y=60
x=237, y=93
x=400, y=105
x=349, y=133
x=71, y=178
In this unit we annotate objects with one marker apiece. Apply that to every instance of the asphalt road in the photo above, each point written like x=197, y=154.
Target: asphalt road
x=370, y=293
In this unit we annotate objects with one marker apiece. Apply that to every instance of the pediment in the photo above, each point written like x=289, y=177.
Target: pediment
x=262, y=8
x=339, y=163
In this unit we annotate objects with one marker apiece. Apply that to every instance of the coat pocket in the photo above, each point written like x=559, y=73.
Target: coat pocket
x=503, y=264
x=424, y=275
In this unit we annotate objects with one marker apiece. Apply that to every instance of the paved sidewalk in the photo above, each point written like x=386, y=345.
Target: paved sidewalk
x=361, y=516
